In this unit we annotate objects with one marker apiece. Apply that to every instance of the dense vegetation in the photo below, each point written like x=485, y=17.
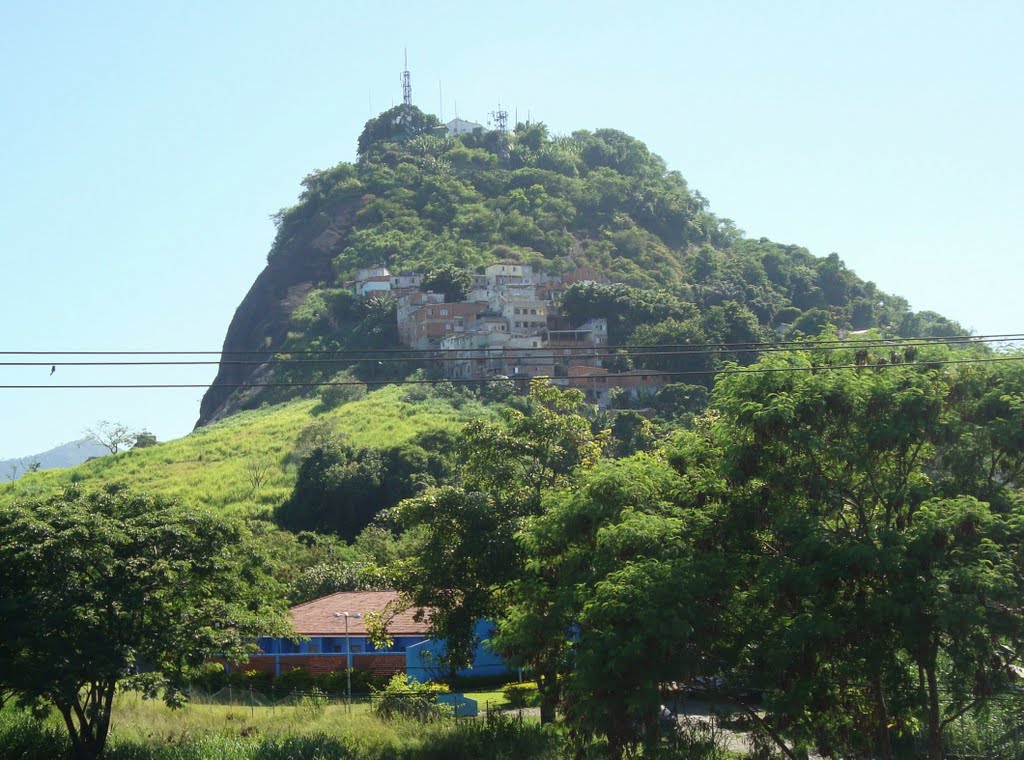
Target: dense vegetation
x=420, y=200
x=848, y=542
x=834, y=528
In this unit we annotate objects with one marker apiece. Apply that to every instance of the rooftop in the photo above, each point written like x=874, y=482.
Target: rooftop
x=317, y=618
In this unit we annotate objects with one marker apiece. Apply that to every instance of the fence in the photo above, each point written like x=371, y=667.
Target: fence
x=271, y=696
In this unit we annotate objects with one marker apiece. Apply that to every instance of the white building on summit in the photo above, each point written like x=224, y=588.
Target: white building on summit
x=461, y=127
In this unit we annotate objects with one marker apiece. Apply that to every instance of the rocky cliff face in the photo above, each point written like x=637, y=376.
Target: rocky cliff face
x=260, y=324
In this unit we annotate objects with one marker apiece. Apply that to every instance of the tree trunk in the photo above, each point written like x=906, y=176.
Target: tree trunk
x=548, y=686
x=934, y=717
x=882, y=715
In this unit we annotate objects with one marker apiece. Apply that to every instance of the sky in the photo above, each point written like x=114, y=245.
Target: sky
x=144, y=146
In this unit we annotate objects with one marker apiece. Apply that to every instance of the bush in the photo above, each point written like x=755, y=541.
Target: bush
x=296, y=679
x=333, y=396
x=522, y=694
x=405, y=697
x=312, y=705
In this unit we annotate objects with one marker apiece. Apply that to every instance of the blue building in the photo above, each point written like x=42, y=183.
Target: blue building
x=334, y=629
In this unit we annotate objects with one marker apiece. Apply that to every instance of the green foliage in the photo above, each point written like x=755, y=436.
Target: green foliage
x=405, y=697
x=454, y=283
x=145, y=733
x=463, y=544
x=336, y=491
x=398, y=123
x=521, y=694
x=209, y=467
x=97, y=582
x=312, y=705
x=417, y=201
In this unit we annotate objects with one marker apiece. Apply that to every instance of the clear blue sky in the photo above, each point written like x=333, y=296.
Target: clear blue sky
x=144, y=145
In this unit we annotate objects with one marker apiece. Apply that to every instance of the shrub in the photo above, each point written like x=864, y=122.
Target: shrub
x=522, y=694
x=333, y=396
x=408, y=698
x=312, y=705
x=296, y=679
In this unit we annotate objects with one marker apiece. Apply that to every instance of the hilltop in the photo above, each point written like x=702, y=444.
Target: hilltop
x=661, y=267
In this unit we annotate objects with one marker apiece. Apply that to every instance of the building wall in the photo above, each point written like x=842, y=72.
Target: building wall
x=421, y=660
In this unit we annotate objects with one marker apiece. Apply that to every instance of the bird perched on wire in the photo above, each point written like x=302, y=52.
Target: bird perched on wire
x=53, y=369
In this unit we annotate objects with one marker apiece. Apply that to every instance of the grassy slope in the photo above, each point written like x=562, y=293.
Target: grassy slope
x=212, y=465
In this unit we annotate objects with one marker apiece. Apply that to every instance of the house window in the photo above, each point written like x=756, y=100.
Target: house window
x=430, y=312
x=444, y=312
x=533, y=311
x=357, y=648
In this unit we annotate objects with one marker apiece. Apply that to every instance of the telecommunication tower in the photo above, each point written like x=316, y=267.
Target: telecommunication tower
x=406, y=85
x=500, y=118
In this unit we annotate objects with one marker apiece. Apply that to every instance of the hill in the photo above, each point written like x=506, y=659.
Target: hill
x=66, y=455
x=663, y=268
x=248, y=463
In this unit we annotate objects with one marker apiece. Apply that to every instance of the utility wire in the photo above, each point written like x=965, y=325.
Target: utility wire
x=479, y=355
x=794, y=344
x=477, y=381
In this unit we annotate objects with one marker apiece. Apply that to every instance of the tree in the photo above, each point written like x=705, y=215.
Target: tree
x=144, y=439
x=450, y=280
x=876, y=580
x=464, y=548
x=338, y=490
x=112, y=435
x=108, y=587
x=400, y=122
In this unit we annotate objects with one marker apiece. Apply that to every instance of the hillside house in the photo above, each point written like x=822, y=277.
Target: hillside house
x=405, y=283
x=508, y=274
x=372, y=281
x=432, y=322
x=322, y=622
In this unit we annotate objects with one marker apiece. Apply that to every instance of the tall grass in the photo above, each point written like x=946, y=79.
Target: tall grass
x=201, y=733
x=213, y=466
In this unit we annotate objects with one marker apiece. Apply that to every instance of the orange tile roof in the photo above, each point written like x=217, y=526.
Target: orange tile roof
x=317, y=618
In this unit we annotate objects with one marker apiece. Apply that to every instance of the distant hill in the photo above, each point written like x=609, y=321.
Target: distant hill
x=669, y=271
x=65, y=455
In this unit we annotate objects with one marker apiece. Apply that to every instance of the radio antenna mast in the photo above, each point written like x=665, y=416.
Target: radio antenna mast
x=406, y=86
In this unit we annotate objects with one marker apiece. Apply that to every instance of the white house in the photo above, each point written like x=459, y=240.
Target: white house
x=462, y=127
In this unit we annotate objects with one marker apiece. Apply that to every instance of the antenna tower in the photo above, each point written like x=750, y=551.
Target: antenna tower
x=501, y=127
x=406, y=85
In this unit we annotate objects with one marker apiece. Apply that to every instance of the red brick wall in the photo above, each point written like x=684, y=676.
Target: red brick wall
x=318, y=664
x=385, y=665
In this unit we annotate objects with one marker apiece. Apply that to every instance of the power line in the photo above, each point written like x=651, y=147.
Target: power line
x=350, y=356
x=795, y=344
x=520, y=378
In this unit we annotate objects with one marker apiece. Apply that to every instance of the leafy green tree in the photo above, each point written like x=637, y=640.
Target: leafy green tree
x=101, y=586
x=144, y=439
x=614, y=600
x=463, y=547
x=453, y=282
x=337, y=490
x=400, y=122
x=831, y=480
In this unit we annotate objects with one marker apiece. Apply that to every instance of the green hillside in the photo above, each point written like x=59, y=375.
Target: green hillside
x=668, y=270
x=217, y=465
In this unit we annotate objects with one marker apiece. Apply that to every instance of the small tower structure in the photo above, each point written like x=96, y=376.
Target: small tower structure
x=500, y=118
x=406, y=84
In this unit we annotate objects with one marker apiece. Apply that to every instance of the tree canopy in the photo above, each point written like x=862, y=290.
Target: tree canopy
x=106, y=587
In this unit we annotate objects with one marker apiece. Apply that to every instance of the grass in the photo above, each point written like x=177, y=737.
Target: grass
x=147, y=730
x=214, y=466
